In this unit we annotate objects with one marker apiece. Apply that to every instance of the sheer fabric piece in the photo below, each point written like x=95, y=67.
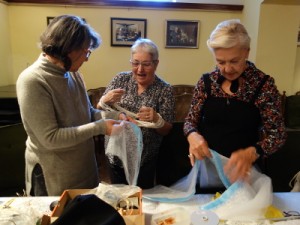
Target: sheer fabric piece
x=160, y=123
x=126, y=143
x=231, y=204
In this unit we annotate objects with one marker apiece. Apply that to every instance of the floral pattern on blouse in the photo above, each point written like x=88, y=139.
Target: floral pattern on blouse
x=158, y=95
x=268, y=102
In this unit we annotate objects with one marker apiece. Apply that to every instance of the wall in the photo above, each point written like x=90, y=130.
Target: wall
x=5, y=51
x=251, y=21
x=177, y=66
x=296, y=83
x=277, y=51
x=272, y=49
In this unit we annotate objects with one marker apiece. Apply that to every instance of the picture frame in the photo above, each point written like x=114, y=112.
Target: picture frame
x=125, y=31
x=182, y=33
x=49, y=19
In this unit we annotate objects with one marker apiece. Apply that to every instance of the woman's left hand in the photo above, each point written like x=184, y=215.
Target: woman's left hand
x=240, y=163
x=147, y=114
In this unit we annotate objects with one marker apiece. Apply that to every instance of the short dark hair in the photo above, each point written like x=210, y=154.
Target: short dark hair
x=65, y=34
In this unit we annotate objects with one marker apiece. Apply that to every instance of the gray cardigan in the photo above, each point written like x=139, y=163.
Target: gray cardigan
x=60, y=123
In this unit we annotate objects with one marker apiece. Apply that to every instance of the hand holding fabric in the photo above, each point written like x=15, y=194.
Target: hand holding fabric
x=109, y=125
x=113, y=96
x=125, y=117
x=147, y=114
x=198, y=147
x=239, y=165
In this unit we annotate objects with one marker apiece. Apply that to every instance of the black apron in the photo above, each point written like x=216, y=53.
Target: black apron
x=228, y=124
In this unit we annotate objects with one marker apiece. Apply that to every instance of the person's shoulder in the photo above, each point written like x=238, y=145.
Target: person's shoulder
x=30, y=74
x=212, y=77
x=162, y=82
x=257, y=74
x=124, y=75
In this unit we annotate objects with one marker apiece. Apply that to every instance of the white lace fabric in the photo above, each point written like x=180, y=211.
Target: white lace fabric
x=126, y=143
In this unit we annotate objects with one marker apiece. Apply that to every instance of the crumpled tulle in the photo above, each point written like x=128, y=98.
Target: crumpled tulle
x=126, y=142
x=240, y=201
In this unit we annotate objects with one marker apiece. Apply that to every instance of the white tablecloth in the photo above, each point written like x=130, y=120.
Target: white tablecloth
x=287, y=201
x=37, y=206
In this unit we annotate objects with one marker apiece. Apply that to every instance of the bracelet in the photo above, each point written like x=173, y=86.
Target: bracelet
x=160, y=122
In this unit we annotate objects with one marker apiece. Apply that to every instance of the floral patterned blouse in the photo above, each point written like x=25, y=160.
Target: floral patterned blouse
x=159, y=96
x=268, y=102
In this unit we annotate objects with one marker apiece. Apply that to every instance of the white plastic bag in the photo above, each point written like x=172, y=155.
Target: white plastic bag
x=181, y=191
x=295, y=183
x=241, y=201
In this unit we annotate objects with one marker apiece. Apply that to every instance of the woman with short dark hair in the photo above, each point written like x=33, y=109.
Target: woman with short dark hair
x=56, y=112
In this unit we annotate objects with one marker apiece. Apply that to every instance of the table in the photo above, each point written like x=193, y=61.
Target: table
x=25, y=210
x=37, y=206
x=285, y=201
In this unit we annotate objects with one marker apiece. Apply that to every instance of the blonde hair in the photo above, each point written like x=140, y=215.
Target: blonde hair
x=228, y=34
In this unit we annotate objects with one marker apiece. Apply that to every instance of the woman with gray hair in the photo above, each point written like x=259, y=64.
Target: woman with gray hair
x=56, y=112
x=236, y=108
x=148, y=101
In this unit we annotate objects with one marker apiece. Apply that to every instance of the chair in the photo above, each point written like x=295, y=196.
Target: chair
x=95, y=95
x=183, y=94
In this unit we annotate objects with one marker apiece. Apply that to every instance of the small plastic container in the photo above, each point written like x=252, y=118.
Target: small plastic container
x=175, y=216
x=204, y=217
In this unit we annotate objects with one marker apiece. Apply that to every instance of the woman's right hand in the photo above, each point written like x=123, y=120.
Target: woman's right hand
x=113, y=96
x=110, y=124
x=198, y=147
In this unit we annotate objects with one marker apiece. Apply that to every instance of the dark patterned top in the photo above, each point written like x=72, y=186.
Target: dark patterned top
x=268, y=102
x=159, y=96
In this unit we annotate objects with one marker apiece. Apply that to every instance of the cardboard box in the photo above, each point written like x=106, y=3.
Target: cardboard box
x=136, y=216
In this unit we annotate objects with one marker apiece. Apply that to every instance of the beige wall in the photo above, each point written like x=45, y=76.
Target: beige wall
x=177, y=66
x=5, y=51
x=277, y=51
x=251, y=21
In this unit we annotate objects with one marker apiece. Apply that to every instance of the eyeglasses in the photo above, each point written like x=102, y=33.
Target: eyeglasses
x=146, y=64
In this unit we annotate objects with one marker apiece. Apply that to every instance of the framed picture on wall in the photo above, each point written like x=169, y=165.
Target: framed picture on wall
x=182, y=33
x=49, y=19
x=125, y=31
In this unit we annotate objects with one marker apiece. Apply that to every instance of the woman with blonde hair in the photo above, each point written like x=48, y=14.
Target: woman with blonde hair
x=236, y=108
